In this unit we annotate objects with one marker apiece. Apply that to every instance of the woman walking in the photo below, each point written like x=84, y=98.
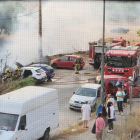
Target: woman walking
x=86, y=113
x=111, y=116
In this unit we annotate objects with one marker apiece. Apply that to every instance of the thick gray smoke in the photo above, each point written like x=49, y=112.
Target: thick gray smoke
x=67, y=26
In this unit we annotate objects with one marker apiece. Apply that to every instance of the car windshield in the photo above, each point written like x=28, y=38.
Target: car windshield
x=86, y=92
x=98, y=80
x=49, y=68
x=39, y=70
x=8, y=121
x=119, y=61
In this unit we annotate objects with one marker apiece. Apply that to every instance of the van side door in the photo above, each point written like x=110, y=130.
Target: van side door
x=22, y=131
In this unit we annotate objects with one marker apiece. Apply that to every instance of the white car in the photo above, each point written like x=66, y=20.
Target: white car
x=36, y=72
x=89, y=92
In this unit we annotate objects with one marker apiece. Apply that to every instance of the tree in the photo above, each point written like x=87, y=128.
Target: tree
x=138, y=32
x=8, y=10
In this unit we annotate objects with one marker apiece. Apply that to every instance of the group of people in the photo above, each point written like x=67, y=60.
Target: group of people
x=14, y=75
x=106, y=113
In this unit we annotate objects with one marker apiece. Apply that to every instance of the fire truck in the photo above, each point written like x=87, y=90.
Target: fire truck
x=123, y=61
x=95, y=49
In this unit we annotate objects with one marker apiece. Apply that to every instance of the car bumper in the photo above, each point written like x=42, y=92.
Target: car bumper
x=41, y=80
x=78, y=106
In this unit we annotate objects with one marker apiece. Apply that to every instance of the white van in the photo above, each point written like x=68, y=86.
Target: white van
x=28, y=113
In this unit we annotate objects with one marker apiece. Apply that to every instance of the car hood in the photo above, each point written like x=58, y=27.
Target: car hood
x=6, y=135
x=82, y=98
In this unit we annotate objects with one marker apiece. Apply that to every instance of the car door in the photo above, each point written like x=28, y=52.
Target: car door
x=71, y=62
x=23, y=133
x=135, y=88
x=63, y=62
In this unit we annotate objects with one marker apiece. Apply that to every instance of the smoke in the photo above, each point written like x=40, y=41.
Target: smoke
x=65, y=26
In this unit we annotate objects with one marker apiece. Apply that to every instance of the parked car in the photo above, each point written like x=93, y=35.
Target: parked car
x=66, y=61
x=89, y=92
x=36, y=72
x=48, y=69
x=120, y=30
x=137, y=44
x=28, y=113
x=110, y=84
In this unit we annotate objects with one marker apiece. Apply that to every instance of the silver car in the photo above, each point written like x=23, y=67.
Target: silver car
x=89, y=92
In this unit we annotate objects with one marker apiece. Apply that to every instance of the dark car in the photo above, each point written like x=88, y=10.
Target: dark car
x=48, y=69
x=120, y=30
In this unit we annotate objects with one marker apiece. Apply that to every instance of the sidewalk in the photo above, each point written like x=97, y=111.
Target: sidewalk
x=108, y=136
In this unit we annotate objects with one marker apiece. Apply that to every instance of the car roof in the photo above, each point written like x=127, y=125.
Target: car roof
x=120, y=53
x=71, y=55
x=91, y=85
x=36, y=65
x=112, y=77
x=31, y=68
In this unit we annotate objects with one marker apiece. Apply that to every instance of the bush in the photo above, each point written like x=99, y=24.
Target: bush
x=13, y=85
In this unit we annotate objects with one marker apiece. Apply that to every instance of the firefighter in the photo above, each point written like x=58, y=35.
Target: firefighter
x=77, y=63
x=8, y=74
x=16, y=73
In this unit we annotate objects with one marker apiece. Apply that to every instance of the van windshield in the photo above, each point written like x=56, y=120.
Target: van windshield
x=8, y=121
x=86, y=92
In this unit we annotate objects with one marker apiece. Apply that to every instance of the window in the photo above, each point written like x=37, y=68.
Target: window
x=39, y=71
x=132, y=84
x=113, y=83
x=49, y=68
x=64, y=59
x=86, y=92
x=22, y=121
x=27, y=73
x=72, y=58
x=8, y=121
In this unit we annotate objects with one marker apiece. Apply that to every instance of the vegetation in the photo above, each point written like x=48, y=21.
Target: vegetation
x=13, y=85
x=138, y=32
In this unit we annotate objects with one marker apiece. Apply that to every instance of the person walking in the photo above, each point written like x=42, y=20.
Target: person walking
x=111, y=116
x=120, y=95
x=99, y=127
x=126, y=95
x=86, y=113
x=104, y=115
x=77, y=63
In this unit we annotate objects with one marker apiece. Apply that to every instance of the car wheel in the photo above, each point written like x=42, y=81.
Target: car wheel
x=46, y=135
x=54, y=65
x=73, y=67
x=138, y=95
x=70, y=108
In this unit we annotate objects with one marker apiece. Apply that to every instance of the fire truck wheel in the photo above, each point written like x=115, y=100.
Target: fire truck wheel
x=54, y=65
x=138, y=95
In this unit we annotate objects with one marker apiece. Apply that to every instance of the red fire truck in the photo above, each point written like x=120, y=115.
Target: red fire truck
x=95, y=49
x=123, y=61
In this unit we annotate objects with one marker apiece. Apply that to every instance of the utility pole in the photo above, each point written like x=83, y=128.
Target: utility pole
x=102, y=62
x=40, y=32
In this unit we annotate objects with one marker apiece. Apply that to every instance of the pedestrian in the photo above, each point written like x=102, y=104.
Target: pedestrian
x=110, y=99
x=99, y=127
x=99, y=109
x=86, y=113
x=104, y=115
x=126, y=95
x=120, y=95
x=111, y=116
x=126, y=84
x=119, y=83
